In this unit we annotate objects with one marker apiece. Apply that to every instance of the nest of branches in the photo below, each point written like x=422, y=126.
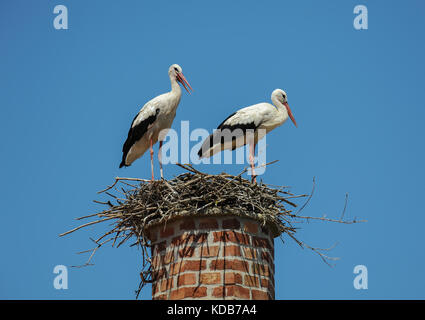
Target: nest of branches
x=135, y=205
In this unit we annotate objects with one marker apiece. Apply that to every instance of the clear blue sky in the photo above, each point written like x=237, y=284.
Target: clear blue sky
x=68, y=96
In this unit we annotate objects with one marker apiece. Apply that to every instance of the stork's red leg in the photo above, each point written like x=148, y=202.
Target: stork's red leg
x=160, y=159
x=151, y=151
x=251, y=160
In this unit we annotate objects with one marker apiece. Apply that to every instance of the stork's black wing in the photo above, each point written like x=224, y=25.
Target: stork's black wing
x=235, y=130
x=136, y=132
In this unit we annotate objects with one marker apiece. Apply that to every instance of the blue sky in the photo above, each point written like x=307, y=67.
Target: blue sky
x=68, y=96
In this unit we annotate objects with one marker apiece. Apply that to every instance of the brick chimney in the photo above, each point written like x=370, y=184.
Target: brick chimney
x=212, y=257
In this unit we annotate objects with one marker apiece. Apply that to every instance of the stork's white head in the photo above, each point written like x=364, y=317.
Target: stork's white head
x=176, y=73
x=281, y=96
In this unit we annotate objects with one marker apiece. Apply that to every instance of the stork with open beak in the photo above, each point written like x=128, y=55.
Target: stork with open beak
x=243, y=127
x=153, y=121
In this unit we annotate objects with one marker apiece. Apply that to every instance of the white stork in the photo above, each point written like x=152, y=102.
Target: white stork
x=153, y=121
x=244, y=126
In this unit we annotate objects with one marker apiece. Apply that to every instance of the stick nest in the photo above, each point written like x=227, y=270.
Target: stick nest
x=134, y=208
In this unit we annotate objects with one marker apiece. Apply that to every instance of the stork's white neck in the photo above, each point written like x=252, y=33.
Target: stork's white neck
x=279, y=105
x=175, y=87
x=174, y=95
x=281, y=109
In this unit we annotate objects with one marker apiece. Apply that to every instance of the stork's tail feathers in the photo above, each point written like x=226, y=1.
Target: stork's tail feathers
x=122, y=164
x=205, y=149
x=200, y=153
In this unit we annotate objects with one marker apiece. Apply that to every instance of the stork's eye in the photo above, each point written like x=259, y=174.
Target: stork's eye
x=176, y=69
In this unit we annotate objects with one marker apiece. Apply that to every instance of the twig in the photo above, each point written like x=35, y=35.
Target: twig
x=119, y=179
x=309, y=197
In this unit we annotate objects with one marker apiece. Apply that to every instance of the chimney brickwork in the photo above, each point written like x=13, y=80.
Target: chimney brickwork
x=213, y=257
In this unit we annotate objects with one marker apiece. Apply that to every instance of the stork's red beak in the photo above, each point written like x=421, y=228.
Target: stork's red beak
x=290, y=113
x=183, y=81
